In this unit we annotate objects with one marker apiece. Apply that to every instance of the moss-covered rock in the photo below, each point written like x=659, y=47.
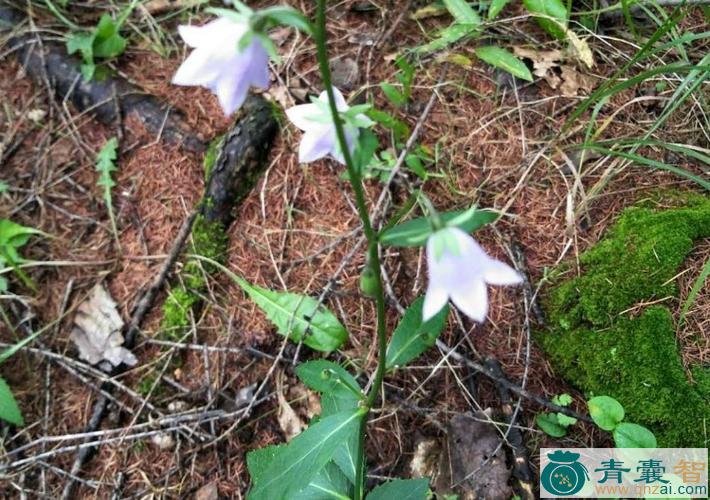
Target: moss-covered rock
x=604, y=340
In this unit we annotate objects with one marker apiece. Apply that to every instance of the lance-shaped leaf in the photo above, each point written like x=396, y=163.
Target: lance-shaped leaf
x=401, y=489
x=412, y=336
x=329, y=484
x=292, y=467
x=462, y=12
x=551, y=15
x=501, y=58
x=9, y=410
x=299, y=317
x=415, y=232
x=340, y=392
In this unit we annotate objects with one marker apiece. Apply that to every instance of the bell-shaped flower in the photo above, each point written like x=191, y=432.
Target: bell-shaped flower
x=459, y=269
x=220, y=64
x=320, y=139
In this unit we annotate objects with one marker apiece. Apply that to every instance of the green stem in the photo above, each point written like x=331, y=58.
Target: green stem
x=370, y=234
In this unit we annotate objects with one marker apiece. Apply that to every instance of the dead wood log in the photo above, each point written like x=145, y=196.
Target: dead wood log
x=110, y=100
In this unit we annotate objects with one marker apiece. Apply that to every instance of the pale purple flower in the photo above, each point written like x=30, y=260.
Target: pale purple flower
x=220, y=65
x=319, y=139
x=459, y=269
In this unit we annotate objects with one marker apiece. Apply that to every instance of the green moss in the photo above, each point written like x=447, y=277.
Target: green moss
x=605, y=342
x=211, y=155
x=176, y=312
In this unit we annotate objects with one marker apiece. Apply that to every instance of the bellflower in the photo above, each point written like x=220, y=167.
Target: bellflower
x=319, y=138
x=459, y=269
x=220, y=64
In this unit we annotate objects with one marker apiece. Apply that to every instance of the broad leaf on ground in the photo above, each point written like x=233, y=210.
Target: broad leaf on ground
x=299, y=317
x=606, y=412
x=501, y=58
x=412, y=337
x=628, y=435
x=401, y=489
x=280, y=471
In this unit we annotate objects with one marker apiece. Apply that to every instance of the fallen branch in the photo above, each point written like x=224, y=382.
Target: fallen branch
x=109, y=100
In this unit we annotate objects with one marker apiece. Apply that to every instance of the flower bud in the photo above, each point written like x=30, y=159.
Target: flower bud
x=368, y=281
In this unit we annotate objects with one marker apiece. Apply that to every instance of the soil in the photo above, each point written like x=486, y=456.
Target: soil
x=293, y=232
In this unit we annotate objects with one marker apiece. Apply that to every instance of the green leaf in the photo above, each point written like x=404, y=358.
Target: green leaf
x=292, y=467
x=329, y=484
x=551, y=15
x=412, y=337
x=366, y=146
x=105, y=165
x=495, y=8
x=9, y=411
x=341, y=392
x=298, y=316
x=462, y=12
x=393, y=94
x=563, y=399
x=325, y=376
x=83, y=43
x=107, y=41
x=288, y=16
x=447, y=37
x=401, y=489
x=501, y=58
x=628, y=435
x=398, y=127
x=415, y=232
x=550, y=425
x=13, y=235
x=565, y=420
x=606, y=412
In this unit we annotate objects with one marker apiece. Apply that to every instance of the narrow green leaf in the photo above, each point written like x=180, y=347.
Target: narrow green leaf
x=606, y=412
x=325, y=376
x=550, y=425
x=298, y=316
x=412, y=337
x=292, y=467
x=401, y=489
x=628, y=435
x=462, y=12
x=495, y=8
x=9, y=410
x=367, y=144
x=501, y=58
x=394, y=95
x=340, y=392
x=415, y=232
x=288, y=16
x=448, y=36
x=551, y=15
x=106, y=166
x=329, y=484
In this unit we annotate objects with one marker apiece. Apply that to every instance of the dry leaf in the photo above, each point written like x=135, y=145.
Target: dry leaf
x=207, y=492
x=425, y=460
x=289, y=421
x=97, y=330
x=579, y=49
x=573, y=81
x=550, y=65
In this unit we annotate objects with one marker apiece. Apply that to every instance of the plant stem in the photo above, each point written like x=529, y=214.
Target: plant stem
x=373, y=254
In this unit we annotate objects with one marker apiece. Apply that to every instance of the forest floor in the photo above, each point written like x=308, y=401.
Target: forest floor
x=497, y=144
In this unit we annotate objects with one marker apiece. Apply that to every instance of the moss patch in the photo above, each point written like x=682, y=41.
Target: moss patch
x=605, y=343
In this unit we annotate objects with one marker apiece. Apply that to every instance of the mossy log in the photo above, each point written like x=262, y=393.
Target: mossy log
x=109, y=100
x=233, y=166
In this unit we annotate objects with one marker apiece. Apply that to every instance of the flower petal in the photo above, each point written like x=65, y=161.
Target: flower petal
x=200, y=68
x=434, y=300
x=218, y=33
x=472, y=300
x=257, y=65
x=299, y=116
x=315, y=145
x=498, y=273
x=340, y=102
x=231, y=91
